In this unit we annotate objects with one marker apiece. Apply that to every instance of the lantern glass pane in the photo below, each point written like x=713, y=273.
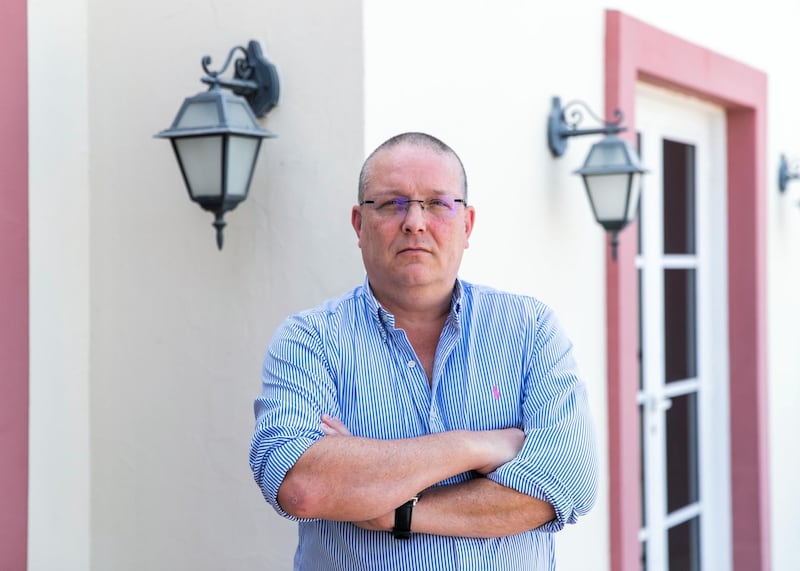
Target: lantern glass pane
x=238, y=115
x=608, y=194
x=201, y=160
x=200, y=114
x=606, y=155
x=636, y=187
x=242, y=154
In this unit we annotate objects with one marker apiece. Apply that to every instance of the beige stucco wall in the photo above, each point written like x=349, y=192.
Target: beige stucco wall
x=179, y=327
x=146, y=341
x=60, y=289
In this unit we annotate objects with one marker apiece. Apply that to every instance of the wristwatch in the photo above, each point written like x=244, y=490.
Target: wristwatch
x=402, y=519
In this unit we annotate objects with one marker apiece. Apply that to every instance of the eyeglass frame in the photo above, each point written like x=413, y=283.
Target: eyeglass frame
x=409, y=201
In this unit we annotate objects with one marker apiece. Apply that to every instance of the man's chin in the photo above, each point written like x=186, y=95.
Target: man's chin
x=412, y=275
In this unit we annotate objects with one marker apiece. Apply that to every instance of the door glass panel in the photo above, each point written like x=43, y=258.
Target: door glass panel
x=683, y=477
x=684, y=546
x=680, y=325
x=679, y=199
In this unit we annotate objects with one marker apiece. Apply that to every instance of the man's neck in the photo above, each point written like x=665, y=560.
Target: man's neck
x=422, y=315
x=416, y=307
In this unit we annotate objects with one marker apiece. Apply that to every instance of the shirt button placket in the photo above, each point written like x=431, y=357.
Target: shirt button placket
x=435, y=419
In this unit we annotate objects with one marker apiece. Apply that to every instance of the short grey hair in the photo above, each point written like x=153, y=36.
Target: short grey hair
x=411, y=138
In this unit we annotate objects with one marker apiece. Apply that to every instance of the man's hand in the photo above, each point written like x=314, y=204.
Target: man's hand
x=333, y=426
x=501, y=446
x=382, y=523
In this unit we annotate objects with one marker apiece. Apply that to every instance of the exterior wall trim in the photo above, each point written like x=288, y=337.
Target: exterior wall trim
x=14, y=320
x=636, y=51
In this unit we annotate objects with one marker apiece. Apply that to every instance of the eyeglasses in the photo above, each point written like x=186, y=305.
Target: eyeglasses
x=441, y=207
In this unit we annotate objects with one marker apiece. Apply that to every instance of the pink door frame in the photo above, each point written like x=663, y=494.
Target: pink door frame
x=638, y=52
x=14, y=288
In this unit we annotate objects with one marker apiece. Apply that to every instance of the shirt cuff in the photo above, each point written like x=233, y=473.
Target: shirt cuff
x=539, y=486
x=280, y=462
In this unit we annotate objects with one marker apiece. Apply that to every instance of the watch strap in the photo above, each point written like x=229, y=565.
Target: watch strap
x=402, y=519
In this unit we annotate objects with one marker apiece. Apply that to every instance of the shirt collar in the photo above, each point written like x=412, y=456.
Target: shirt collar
x=456, y=300
x=387, y=319
x=374, y=307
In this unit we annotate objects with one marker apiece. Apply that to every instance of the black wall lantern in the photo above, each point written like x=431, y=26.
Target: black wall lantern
x=611, y=172
x=216, y=136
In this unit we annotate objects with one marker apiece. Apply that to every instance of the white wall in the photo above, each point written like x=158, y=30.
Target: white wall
x=480, y=76
x=142, y=332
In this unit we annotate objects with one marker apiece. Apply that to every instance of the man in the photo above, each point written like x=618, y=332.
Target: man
x=421, y=422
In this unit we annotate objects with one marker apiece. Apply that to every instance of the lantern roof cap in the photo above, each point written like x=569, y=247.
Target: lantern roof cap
x=611, y=155
x=214, y=112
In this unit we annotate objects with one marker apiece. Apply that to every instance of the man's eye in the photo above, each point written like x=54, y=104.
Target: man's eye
x=440, y=205
x=392, y=204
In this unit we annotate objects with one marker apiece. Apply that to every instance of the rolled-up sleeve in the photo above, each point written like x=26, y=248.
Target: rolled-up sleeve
x=297, y=387
x=558, y=461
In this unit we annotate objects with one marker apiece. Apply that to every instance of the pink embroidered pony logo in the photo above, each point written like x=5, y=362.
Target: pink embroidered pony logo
x=495, y=392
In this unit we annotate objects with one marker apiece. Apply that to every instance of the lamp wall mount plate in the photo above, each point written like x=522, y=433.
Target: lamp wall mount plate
x=563, y=121
x=787, y=172
x=254, y=77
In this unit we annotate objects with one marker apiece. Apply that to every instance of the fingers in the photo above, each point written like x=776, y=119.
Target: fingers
x=327, y=430
x=503, y=446
x=331, y=426
x=382, y=523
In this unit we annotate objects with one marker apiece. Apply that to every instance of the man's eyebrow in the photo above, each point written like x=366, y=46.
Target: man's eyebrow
x=403, y=194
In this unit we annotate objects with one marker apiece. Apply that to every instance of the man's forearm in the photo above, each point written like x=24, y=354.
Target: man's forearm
x=352, y=479
x=478, y=508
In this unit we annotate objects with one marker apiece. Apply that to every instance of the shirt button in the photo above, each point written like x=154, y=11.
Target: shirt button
x=412, y=364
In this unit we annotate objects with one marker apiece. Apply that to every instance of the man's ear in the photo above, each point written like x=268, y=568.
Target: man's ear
x=356, y=219
x=469, y=223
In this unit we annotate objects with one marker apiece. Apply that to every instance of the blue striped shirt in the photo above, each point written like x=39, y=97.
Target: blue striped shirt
x=502, y=361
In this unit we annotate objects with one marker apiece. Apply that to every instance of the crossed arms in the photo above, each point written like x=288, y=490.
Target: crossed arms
x=309, y=466
x=362, y=480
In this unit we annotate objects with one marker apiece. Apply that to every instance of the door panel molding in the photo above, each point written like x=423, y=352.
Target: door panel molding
x=690, y=135
x=14, y=367
x=635, y=51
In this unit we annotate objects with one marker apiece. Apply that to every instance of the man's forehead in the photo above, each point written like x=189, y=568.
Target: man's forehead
x=411, y=152
x=413, y=165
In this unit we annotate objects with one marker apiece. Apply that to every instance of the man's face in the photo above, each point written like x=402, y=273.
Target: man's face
x=415, y=248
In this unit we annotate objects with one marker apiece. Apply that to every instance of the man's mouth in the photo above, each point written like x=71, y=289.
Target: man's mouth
x=414, y=250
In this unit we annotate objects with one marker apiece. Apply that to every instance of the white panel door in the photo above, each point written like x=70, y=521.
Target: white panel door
x=683, y=392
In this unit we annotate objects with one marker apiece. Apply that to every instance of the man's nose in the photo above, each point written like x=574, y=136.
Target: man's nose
x=414, y=219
